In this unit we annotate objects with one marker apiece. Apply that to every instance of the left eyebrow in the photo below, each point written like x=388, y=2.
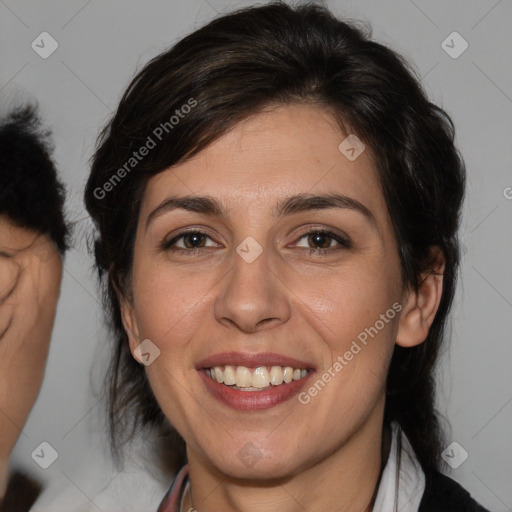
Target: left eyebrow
x=304, y=202
x=294, y=204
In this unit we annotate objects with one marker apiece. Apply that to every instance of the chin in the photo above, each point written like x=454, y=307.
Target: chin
x=250, y=460
x=255, y=469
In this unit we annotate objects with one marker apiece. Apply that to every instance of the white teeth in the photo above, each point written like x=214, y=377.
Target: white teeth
x=288, y=374
x=260, y=377
x=243, y=377
x=219, y=374
x=276, y=375
x=249, y=379
x=229, y=376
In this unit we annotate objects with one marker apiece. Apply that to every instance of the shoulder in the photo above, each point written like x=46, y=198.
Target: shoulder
x=442, y=494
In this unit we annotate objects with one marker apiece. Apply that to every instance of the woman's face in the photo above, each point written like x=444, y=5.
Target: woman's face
x=259, y=284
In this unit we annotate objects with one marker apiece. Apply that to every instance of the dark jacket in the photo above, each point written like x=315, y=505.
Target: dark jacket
x=22, y=492
x=442, y=494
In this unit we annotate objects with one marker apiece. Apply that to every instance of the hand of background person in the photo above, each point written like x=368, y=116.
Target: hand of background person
x=30, y=277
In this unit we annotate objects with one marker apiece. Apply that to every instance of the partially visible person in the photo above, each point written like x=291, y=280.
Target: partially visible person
x=33, y=240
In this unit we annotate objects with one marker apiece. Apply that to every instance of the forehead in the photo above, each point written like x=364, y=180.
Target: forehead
x=276, y=153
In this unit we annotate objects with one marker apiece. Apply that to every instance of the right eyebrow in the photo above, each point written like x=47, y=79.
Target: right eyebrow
x=198, y=204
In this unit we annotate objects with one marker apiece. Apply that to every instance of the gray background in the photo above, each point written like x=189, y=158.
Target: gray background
x=101, y=45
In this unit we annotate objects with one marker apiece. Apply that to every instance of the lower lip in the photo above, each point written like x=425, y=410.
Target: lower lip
x=253, y=400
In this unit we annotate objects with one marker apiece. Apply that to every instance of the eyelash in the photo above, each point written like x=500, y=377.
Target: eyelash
x=344, y=243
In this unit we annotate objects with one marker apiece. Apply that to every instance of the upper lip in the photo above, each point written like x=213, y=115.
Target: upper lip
x=252, y=360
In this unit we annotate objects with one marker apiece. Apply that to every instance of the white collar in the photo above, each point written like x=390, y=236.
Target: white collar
x=403, y=482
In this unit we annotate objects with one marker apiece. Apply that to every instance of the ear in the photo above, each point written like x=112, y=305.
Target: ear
x=420, y=307
x=129, y=321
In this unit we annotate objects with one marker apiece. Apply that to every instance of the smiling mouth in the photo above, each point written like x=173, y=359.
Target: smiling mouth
x=261, y=378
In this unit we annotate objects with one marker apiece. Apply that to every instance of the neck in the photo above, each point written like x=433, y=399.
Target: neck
x=345, y=481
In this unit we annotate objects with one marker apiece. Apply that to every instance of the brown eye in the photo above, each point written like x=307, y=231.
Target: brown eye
x=323, y=241
x=193, y=240
x=189, y=241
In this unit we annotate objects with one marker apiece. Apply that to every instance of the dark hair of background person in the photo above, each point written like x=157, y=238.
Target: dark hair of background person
x=234, y=67
x=31, y=195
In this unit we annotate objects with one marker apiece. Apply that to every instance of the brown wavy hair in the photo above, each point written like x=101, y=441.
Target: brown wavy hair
x=233, y=67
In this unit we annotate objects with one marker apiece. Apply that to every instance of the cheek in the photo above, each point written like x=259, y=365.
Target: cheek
x=168, y=305
x=356, y=313
x=347, y=302
x=169, y=310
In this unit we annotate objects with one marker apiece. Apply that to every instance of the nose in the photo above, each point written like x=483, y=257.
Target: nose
x=253, y=296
